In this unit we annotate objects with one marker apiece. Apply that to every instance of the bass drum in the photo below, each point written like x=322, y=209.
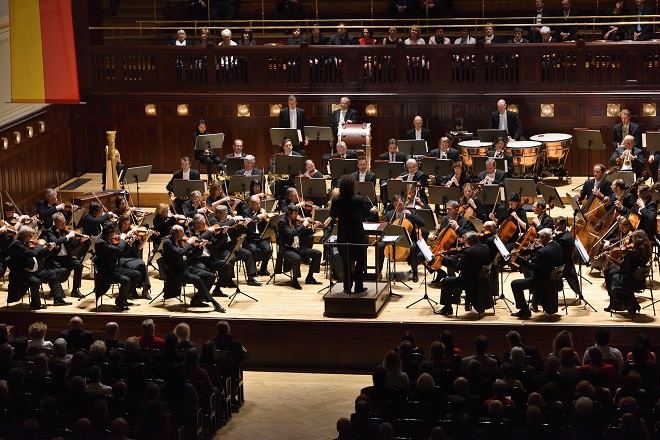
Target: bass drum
x=357, y=137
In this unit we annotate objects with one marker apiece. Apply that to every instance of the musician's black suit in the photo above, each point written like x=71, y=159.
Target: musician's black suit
x=285, y=122
x=469, y=263
x=541, y=264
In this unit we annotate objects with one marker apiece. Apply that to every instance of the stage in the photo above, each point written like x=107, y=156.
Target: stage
x=286, y=329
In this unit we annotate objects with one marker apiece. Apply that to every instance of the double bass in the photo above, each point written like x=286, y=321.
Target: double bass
x=582, y=230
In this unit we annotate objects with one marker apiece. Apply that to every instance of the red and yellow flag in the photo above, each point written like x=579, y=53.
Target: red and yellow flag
x=43, y=52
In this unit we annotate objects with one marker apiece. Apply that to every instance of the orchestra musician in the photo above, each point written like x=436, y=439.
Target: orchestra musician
x=296, y=240
x=110, y=245
x=625, y=128
x=92, y=221
x=164, y=220
x=194, y=205
x=350, y=211
x=293, y=117
x=638, y=255
x=504, y=119
x=491, y=176
x=185, y=173
x=391, y=155
x=398, y=212
x=282, y=185
x=225, y=248
x=457, y=179
x=62, y=257
x=205, y=256
x=291, y=197
x=618, y=237
x=469, y=262
x=599, y=186
x=49, y=206
x=249, y=170
x=647, y=209
x=541, y=264
x=458, y=223
x=517, y=213
x=27, y=269
x=237, y=146
x=632, y=158
x=122, y=207
x=542, y=219
x=500, y=152
x=131, y=258
x=624, y=206
x=208, y=156
x=444, y=151
x=412, y=200
x=468, y=200
x=363, y=174
x=487, y=235
x=311, y=171
x=343, y=115
x=567, y=242
x=260, y=248
x=217, y=195
x=419, y=132
x=343, y=152
x=176, y=249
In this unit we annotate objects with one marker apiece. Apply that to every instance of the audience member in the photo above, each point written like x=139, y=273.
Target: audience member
x=111, y=333
x=148, y=340
x=488, y=363
x=76, y=337
x=609, y=353
x=225, y=341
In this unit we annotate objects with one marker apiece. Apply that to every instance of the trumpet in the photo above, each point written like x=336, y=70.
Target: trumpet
x=627, y=161
x=274, y=176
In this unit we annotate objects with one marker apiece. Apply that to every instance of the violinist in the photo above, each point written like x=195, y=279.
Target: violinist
x=296, y=237
x=469, y=262
x=131, y=258
x=26, y=269
x=487, y=235
x=225, y=248
x=176, y=250
x=92, y=221
x=542, y=219
x=110, y=245
x=312, y=173
x=628, y=157
x=248, y=169
x=541, y=264
x=647, y=209
x=455, y=180
x=622, y=204
x=259, y=247
x=49, y=206
x=123, y=208
x=599, y=186
x=492, y=176
x=164, y=220
x=394, y=215
x=217, y=195
x=194, y=205
x=475, y=204
x=292, y=198
x=567, y=242
x=205, y=257
x=617, y=238
x=185, y=173
x=444, y=151
x=517, y=214
x=620, y=282
x=256, y=190
x=11, y=216
x=208, y=156
x=63, y=259
x=500, y=152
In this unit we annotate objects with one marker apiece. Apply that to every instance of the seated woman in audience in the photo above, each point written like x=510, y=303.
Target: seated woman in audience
x=643, y=339
x=182, y=332
x=646, y=369
x=59, y=351
x=564, y=339
x=246, y=39
x=36, y=333
x=395, y=375
x=194, y=373
x=569, y=364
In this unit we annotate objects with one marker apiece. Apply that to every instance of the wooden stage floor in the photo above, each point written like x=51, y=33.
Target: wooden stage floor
x=284, y=317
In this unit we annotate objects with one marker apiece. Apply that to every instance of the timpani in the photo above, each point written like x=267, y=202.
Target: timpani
x=470, y=149
x=526, y=157
x=555, y=152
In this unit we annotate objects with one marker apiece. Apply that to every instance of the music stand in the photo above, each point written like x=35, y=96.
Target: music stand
x=386, y=170
x=430, y=220
x=279, y=135
x=396, y=186
x=440, y=195
x=589, y=140
x=320, y=214
x=413, y=147
x=550, y=195
x=524, y=187
x=653, y=141
x=627, y=176
x=241, y=184
x=428, y=256
x=396, y=236
x=136, y=175
x=436, y=167
x=268, y=205
x=479, y=164
x=342, y=167
x=183, y=188
x=316, y=133
x=311, y=188
x=230, y=259
x=233, y=164
x=209, y=141
x=491, y=135
x=291, y=165
x=271, y=227
x=367, y=191
x=583, y=257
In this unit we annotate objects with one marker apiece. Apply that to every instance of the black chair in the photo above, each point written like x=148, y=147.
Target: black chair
x=411, y=428
x=171, y=288
x=639, y=285
x=557, y=283
x=232, y=365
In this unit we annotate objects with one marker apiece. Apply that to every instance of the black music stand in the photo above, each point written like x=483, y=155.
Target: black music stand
x=652, y=141
x=628, y=177
x=367, y=191
x=413, y=147
x=311, y=188
x=279, y=135
x=329, y=242
x=231, y=259
x=491, y=135
x=233, y=164
x=524, y=187
x=589, y=140
x=583, y=257
x=398, y=186
x=321, y=214
x=342, y=167
x=479, y=164
x=241, y=184
x=209, y=141
x=436, y=167
x=440, y=195
x=430, y=219
x=136, y=175
x=316, y=133
x=550, y=195
x=385, y=170
x=428, y=256
x=183, y=188
x=291, y=165
x=396, y=236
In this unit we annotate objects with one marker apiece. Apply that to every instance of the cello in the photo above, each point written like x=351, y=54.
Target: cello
x=509, y=226
x=443, y=241
x=400, y=253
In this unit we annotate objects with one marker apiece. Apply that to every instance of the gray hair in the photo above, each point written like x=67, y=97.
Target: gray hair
x=49, y=192
x=341, y=144
x=544, y=30
x=545, y=233
x=225, y=33
x=58, y=216
x=250, y=158
x=452, y=203
x=199, y=218
x=491, y=161
x=25, y=232
x=195, y=193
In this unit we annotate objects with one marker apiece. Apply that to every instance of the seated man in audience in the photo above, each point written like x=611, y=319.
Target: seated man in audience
x=148, y=339
x=608, y=352
x=439, y=37
x=342, y=37
x=518, y=36
x=638, y=31
x=111, y=335
x=225, y=341
x=567, y=32
x=296, y=245
x=76, y=336
x=488, y=364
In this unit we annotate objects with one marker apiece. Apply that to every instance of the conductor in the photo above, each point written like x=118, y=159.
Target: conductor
x=350, y=211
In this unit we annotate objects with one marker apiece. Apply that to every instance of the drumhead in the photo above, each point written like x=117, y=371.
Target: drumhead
x=551, y=137
x=521, y=145
x=474, y=144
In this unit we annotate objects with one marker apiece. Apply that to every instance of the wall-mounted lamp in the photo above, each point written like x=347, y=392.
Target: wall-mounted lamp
x=42, y=126
x=513, y=108
x=275, y=110
x=648, y=109
x=30, y=132
x=182, y=110
x=243, y=110
x=547, y=110
x=5, y=143
x=150, y=110
x=17, y=137
x=613, y=110
x=371, y=110
x=334, y=107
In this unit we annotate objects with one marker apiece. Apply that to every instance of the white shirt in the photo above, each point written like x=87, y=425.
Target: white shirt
x=248, y=172
x=362, y=177
x=293, y=120
x=342, y=116
x=186, y=175
x=503, y=122
x=418, y=134
x=410, y=177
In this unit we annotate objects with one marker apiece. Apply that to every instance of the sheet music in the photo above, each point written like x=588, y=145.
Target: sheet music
x=583, y=252
x=424, y=248
x=332, y=239
x=501, y=248
x=390, y=238
x=370, y=226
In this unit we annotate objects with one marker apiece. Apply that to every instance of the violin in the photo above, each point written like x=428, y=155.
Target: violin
x=33, y=242
x=70, y=207
x=78, y=235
